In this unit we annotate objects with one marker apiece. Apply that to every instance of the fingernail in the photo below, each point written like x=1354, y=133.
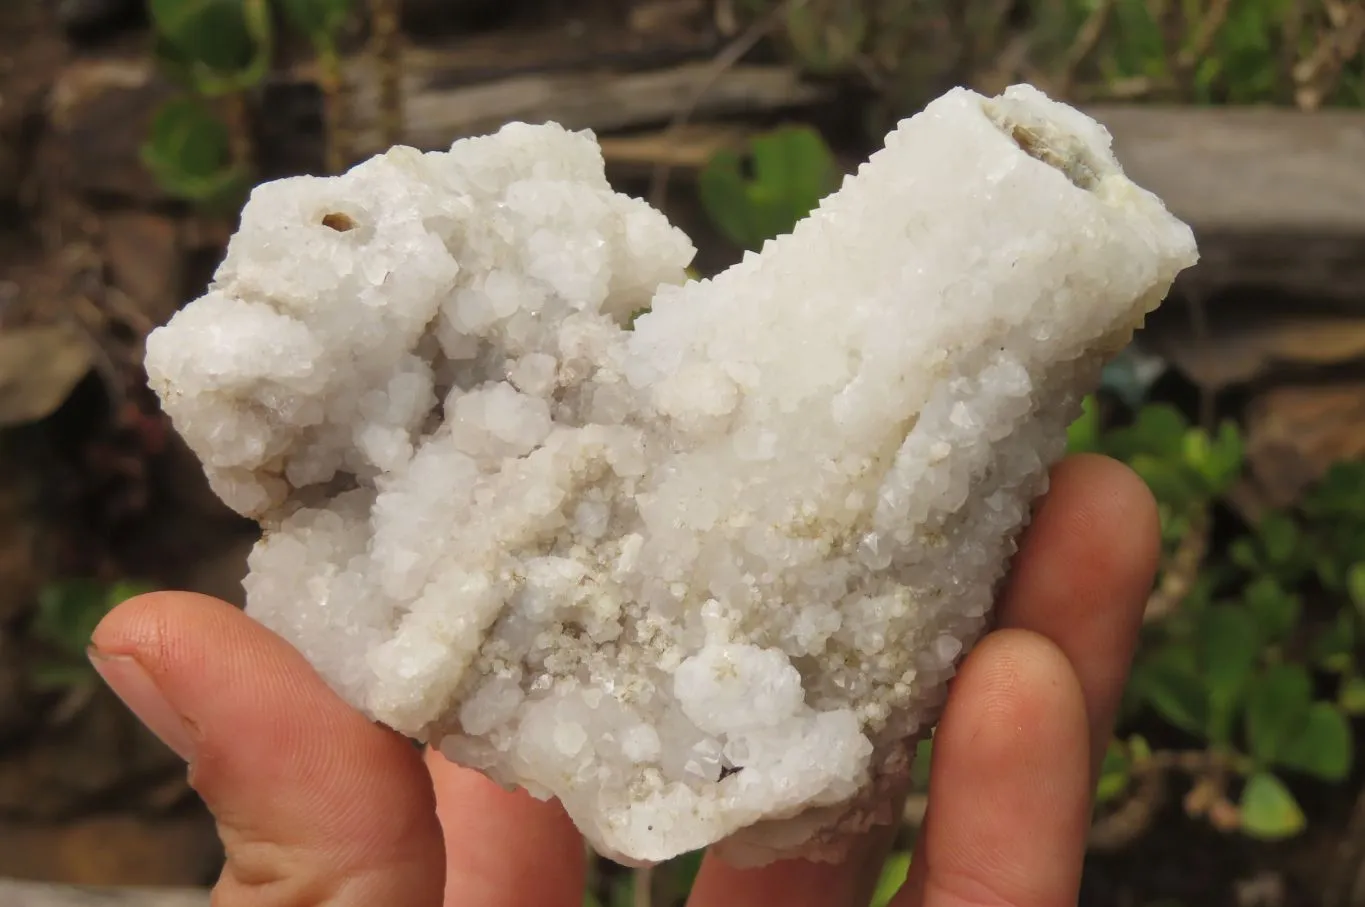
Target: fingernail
x=135, y=687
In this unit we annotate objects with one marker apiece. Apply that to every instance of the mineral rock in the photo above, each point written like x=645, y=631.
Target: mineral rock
x=703, y=578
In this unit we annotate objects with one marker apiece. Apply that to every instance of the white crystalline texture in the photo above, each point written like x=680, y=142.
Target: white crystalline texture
x=703, y=580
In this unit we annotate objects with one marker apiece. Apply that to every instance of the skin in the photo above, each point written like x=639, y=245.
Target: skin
x=317, y=805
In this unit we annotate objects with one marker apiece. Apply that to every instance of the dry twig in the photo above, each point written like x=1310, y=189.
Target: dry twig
x=731, y=54
x=1317, y=75
x=1209, y=769
x=1204, y=36
x=642, y=889
x=386, y=43
x=1180, y=571
x=1087, y=39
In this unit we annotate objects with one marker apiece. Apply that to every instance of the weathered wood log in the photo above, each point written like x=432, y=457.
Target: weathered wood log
x=1276, y=196
x=42, y=894
x=601, y=100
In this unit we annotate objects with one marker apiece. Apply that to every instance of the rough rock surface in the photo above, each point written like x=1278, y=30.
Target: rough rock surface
x=700, y=579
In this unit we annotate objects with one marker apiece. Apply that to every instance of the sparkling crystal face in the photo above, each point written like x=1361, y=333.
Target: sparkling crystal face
x=702, y=579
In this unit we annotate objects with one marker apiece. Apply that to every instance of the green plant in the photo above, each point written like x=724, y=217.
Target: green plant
x=190, y=153
x=791, y=170
x=322, y=21
x=219, y=52
x=1304, y=52
x=199, y=147
x=68, y=612
x=1246, y=52
x=1229, y=656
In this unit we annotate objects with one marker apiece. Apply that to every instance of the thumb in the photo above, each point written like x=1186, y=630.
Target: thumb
x=315, y=804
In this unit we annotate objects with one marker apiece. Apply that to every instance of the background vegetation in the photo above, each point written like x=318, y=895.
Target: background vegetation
x=1242, y=716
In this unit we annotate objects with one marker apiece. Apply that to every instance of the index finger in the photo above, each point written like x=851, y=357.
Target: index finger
x=1082, y=577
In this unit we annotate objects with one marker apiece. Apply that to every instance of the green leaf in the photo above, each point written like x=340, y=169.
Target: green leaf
x=622, y=892
x=792, y=171
x=1083, y=435
x=68, y=612
x=214, y=33
x=1218, y=460
x=319, y=19
x=1334, y=648
x=122, y=590
x=590, y=900
x=1276, y=705
x=1351, y=697
x=796, y=167
x=1159, y=431
x=724, y=195
x=1340, y=494
x=1355, y=585
x=1171, y=481
x=1170, y=683
x=189, y=151
x=1323, y=745
x=1279, y=537
x=48, y=677
x=1245, y=554
x=919, y=769
x=894, y=871
x=1229, y=644
x=1276, y=611
x=219, y=46
x=1115, y=773
x=676, y=877
x=1269, y=811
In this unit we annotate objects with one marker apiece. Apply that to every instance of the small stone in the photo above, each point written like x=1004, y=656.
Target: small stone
x=704, y=578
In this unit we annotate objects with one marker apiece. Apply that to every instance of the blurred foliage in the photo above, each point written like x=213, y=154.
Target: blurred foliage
x=219, y=52
x=189, y=153
x=762, y=193
x=214, y=47
x=1243, y=668
x=1304, y=52
x=68, y=613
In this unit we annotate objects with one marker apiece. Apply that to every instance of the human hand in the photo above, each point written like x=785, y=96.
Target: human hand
x=317, y=805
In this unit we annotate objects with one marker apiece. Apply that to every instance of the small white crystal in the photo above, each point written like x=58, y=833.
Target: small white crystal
x=704, y=580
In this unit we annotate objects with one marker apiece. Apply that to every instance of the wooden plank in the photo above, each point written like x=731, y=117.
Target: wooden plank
x=1247, y=170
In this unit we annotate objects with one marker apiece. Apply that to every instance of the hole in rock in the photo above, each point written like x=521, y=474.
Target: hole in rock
x=338, y=222
x=1072, y=163
x=1046, y=141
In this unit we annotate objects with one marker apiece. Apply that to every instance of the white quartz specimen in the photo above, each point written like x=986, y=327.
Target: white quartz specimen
x=702, y=580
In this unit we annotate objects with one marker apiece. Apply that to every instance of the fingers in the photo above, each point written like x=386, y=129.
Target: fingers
x=1081, y=579
x=1009, y=792
x=795, y=883
x=1083, y=575
x=314, y=803
x=504, y=849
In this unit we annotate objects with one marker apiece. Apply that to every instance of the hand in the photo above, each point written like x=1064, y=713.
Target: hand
x=317, y=805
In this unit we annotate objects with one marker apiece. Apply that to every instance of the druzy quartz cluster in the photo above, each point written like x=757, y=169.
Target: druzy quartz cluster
x=703, y=576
